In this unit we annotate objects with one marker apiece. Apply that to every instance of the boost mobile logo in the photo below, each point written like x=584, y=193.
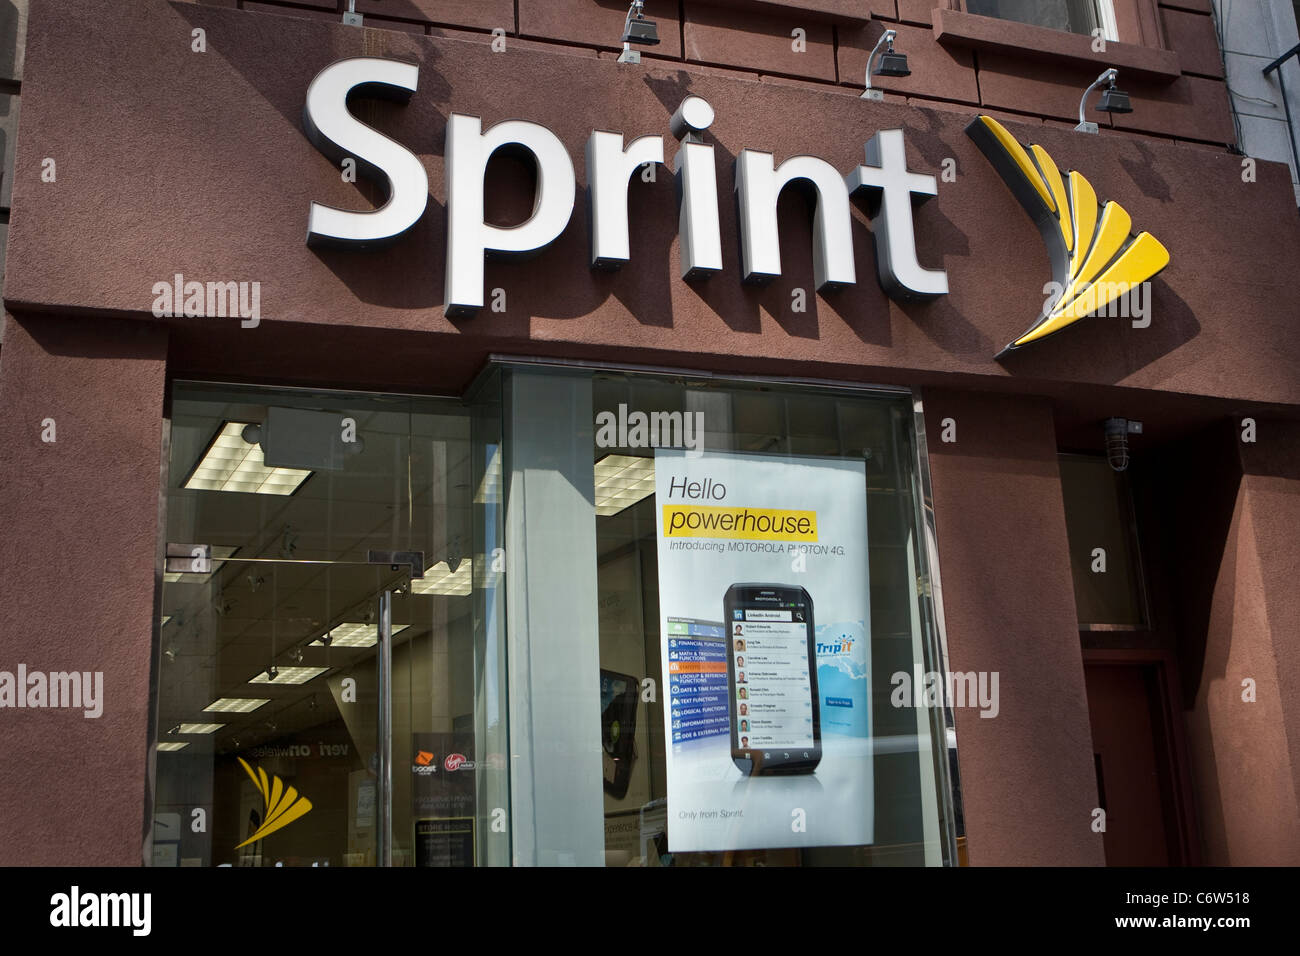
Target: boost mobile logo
x=1095, y=257
x=283, y=805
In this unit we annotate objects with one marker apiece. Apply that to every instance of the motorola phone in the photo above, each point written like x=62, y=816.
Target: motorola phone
x=618, y=703
x=772, y=679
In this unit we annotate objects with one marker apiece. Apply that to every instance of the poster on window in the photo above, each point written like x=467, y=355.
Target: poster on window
x=765, y=640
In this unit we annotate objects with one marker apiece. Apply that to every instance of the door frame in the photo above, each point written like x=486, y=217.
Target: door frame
x=1175, y=758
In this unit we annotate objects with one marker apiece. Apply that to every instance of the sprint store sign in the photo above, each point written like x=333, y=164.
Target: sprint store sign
x=1096, y=258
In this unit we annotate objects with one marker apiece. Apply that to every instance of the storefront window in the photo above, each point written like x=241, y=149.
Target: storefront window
x=739, y=572
x=1104, y=560
x=285, y=736
x=715, y=589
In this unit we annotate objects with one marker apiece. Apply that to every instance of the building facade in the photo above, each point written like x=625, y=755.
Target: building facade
x=434, y=436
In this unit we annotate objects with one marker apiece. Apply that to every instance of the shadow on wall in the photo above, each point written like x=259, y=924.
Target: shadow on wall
x=13, y=24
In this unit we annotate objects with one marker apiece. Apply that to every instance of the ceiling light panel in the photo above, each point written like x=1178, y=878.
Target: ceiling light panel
x=232, y=464
x=289, y=675
x=199, y=728
x=356, y=635
x=235, y=705
x=440, y=579
x=622, y=481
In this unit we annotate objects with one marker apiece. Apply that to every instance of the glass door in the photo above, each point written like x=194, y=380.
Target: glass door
x=328, y=682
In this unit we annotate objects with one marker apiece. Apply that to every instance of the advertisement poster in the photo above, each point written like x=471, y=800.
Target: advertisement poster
x=443, y=795
x=765, y=638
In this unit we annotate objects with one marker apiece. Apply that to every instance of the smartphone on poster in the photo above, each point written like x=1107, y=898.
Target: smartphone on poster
x=772, y=679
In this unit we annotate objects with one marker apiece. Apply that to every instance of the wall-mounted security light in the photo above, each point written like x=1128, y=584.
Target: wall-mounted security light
x=1113, y=100
x=1117, y=431
x=637, y=29
x=891, y=64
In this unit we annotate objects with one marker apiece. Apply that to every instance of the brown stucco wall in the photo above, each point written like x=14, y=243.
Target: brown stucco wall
x=77, y=557
x=1225, y=539
x=1028, y=783
x=948, y=67
x=1246, y=754
x=211, y=176
x=200, y=166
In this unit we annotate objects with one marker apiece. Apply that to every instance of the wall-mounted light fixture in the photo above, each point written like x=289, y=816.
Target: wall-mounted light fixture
x=1113, y=100
x=637, y=29
x=891, y=64
x=1117, y=431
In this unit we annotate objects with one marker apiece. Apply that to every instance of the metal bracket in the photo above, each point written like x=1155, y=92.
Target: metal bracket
x=395, y=559
x=189, y=558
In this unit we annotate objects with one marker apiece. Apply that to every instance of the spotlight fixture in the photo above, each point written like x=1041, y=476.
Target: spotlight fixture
x=295, y=655
x=1113, y=100
x=272, y=672
x=1117, y=431
x=637, y=29
x=891, y=64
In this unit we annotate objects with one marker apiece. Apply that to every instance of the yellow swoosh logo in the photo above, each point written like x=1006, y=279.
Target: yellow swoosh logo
x=1095, y=256
x=283, y=805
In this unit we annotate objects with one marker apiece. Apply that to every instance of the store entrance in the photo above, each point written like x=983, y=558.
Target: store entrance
x=329, y=692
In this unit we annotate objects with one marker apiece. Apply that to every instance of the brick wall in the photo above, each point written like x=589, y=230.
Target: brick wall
x=1175, y=74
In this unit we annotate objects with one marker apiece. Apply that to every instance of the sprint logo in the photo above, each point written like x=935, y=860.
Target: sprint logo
x=1095, y=257
x=283, y=805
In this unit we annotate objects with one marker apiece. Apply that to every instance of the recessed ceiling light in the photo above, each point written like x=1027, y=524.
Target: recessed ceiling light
x=235, y=705
x=199, y=728
x=219, y=553
x=232, y=464
x=622, y=481
x=173, y=745
x=355, y=635
x=440, y=579
x=289, y=675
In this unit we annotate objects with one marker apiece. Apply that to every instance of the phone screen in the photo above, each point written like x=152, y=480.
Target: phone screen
x=774, y=684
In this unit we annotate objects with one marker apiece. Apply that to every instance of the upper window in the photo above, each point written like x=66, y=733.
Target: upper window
x=1073, y=16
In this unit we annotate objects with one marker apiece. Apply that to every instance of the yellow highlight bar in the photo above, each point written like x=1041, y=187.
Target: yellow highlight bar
x=747, y=524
